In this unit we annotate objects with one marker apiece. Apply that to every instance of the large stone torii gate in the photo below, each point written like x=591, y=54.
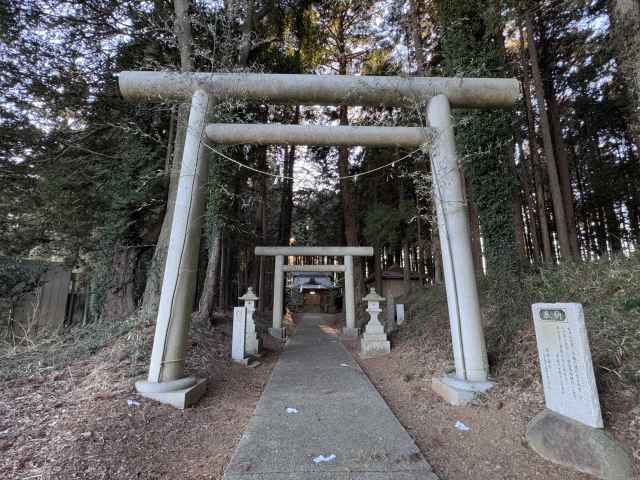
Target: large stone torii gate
x=167, y=381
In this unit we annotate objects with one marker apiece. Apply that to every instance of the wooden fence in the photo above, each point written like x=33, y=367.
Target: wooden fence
x=61, y=299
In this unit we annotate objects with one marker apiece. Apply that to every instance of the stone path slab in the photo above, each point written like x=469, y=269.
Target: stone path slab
x=339, y=412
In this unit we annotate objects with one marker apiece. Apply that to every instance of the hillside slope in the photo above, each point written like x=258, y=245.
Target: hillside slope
x=495, y=447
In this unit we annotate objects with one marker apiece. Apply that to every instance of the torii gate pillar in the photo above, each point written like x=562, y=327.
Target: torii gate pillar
x=278, y=298
x=167, y=382
x=469, y=348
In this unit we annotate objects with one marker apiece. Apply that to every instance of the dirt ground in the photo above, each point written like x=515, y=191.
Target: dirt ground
x=495, y=447
x=77, y=422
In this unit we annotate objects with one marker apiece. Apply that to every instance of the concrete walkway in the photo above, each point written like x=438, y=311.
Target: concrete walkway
x=339, y=412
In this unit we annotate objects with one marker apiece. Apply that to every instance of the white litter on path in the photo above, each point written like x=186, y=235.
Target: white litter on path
x=132, y=403
x=347, y=365
x=322, y=458
x=292, y=410
x=461, y=426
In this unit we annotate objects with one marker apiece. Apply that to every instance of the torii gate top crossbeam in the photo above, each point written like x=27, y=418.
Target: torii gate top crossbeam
x=320, y=89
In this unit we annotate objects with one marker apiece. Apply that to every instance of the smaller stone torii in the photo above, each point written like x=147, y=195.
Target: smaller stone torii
x=278, y=278
x=167, y=381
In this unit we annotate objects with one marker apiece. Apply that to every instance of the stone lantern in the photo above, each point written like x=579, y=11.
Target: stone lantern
x=374, y=340
x=251, y=343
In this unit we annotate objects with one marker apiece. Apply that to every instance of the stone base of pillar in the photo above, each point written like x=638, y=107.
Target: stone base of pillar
x=249, y=362
x=458, y=392
x=350, y=333
x=279, y=333
x=181, y=394
x=252, y=345
x=373, y=344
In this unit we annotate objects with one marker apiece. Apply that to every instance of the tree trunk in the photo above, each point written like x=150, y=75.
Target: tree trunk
x=527, y=181
x=601, y=233
x=226, y=278
x=419, y=249
x=474, y=227
x=245, y=40
x=625, y=30
x=170, y=141
x=206, y=305
x=406, y=268
x=552, y=168
x=564, y=173
x=613, y=228
x=264, y=230
x=286, y=199
x=348, y=203
x=222, y=269
x=435, y=252
x=151, y=298
x=216, y=279
x=560, y=147
x=547, y=252
x=416, y=36
x=346, y=187
x=377, y=269
x=348, y=198
x=583, y=193
x=120, y=301
x=518, y=224
x=182, y=30
x=261, y=182
x=421, y=66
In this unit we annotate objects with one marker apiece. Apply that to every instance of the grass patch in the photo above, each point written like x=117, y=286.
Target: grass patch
x=54, y=352
x=608, y=290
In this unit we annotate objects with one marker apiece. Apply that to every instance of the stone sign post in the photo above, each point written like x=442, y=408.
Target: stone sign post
x=390, y=314
x=565, y=362
x=252, y=344
x=570, y=430
x=374, y=340
x=239, y=335
x=399, y=313
x=245, y=340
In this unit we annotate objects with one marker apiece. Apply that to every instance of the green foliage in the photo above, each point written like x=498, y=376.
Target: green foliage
x=132, y=202
x=317, y=218
x=386, y=225
x=485, y=140
x=426, y=310
x=18, y=276
x=472, y=44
